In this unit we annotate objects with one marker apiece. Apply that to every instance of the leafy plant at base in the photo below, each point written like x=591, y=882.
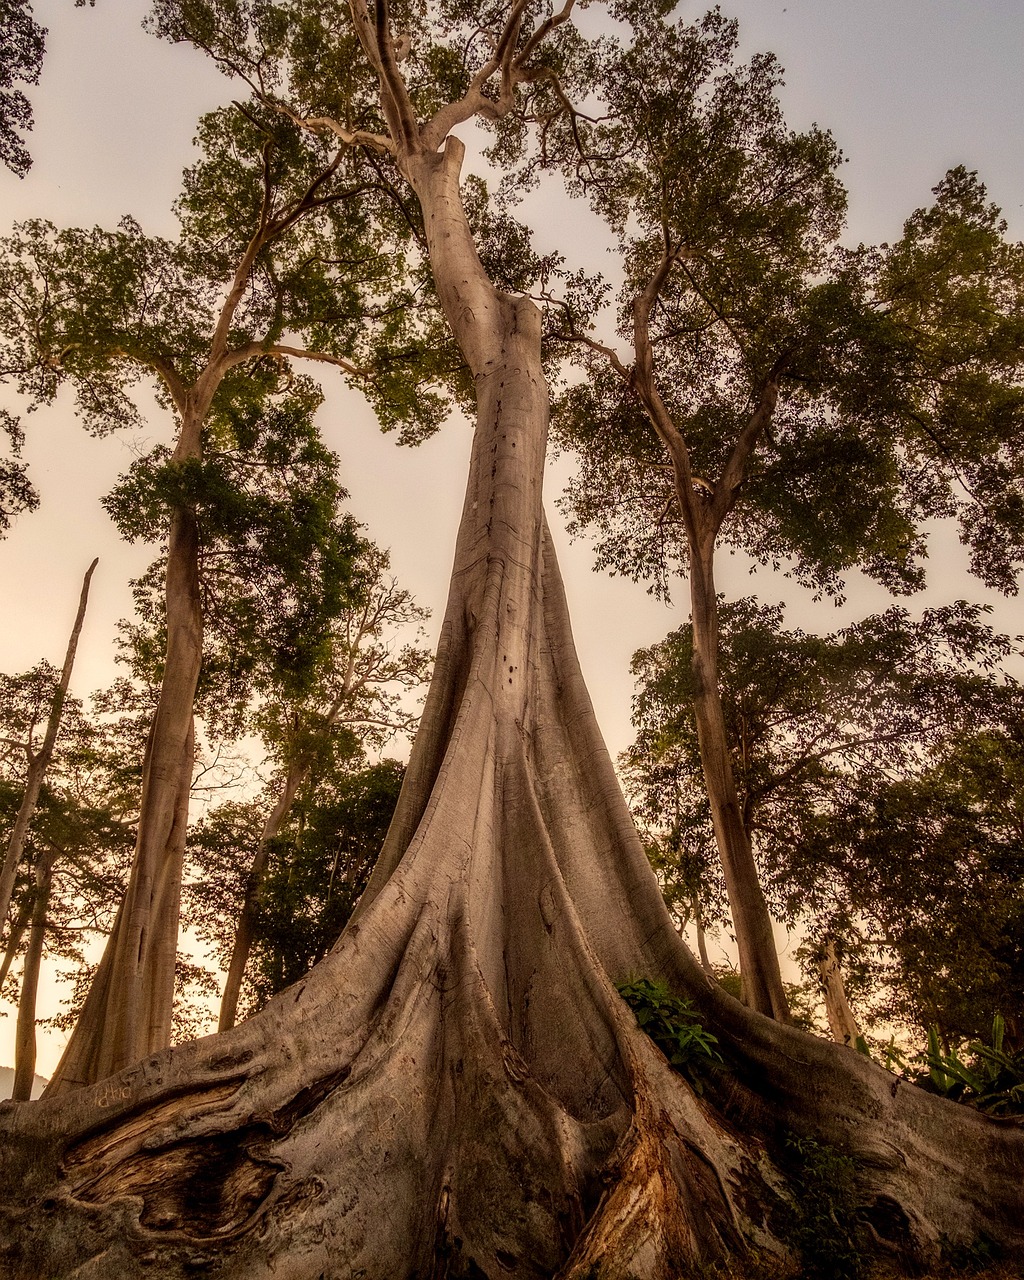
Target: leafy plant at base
x=674, y=1025
x=824, y=1212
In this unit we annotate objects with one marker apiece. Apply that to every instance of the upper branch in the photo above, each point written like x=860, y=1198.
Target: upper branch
x=504, y=60
x=379, y=46
x=734, y=473
x=645, y=386
x=253, y=349
x=350, y=137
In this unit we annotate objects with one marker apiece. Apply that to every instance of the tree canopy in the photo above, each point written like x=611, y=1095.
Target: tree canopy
x=859, y=758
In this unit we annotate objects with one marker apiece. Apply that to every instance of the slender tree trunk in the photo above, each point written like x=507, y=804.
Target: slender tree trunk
x=18, y=927
x=294, y=779
x=457, y=1090
x=702, y=943
x=841, y=1019
x=127, y=1013
x=40, y=762
x=25, y=1036
x=759, y=960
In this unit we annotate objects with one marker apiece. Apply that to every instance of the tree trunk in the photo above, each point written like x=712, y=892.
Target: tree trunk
x=759, y=960
x=127, y=1013
x=842, y=1021
x=702, y=942
x=294, y=779
x=457, y=1089
x=40, y=762
x=25, y=1036
x=18, y=926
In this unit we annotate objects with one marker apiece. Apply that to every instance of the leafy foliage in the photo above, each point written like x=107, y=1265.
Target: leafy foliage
x=319, y=866
x=990, y=1079
x=22, y=41
x=674, y=1026
x=879, y=778
x=276, y=555
x=824, y=1215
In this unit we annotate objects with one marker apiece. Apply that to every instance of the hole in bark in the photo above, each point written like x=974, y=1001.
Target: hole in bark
x=228, y=1060
x=508, y=1260
x=889, y=1222
x=201, y=1188
x=308, y=1099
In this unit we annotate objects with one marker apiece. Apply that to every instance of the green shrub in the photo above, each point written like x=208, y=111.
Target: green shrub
x=990, y=1078
x=825, y=1216
x=674, y=1025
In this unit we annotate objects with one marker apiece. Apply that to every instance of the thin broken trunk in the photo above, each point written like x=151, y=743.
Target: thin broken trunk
x=245, y=931
x=842, y=1021
x=458, y=1089
x=40, y=761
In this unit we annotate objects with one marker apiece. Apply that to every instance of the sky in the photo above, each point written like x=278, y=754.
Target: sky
x=909, y=88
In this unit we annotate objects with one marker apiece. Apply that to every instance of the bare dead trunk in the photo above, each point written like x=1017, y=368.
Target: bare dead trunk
x=25, y=1035
x=842, y=1021
x=702, y=942
x=19, y=925
x=244, y=933
x=40, y=761
x=457, y=1089
x=759, y=960
x=127, y=1013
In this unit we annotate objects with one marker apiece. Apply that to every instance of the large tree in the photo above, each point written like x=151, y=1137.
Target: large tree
x=859, y=758
x=279, y=258
x=767, y=389
x=458, y=1088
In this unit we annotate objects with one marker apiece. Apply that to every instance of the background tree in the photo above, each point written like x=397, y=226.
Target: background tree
x=353, y=701
x=774, y=392
x=842, y=746
x=263, y=213
x=924, y=879
x=39, y=756
x=77, y=849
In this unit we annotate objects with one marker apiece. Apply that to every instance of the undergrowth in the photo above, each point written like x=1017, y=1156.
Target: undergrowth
x=675, y=1027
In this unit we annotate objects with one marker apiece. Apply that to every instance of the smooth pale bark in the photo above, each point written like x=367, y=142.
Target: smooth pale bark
x=842, y=1021
x=758, y=958
x=25, y=1034
x=458, y=1089
x=39, y=761
x=127, y=1013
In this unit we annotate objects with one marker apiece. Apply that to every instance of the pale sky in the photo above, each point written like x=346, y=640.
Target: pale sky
x=908, y=87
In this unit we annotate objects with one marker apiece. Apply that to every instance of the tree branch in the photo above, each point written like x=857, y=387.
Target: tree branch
x=251, y=350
